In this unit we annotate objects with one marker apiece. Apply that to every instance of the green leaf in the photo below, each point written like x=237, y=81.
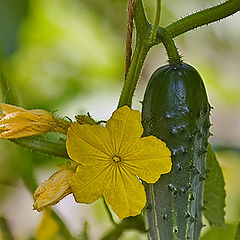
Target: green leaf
x=214, y=192
x=223, y=233
x=237, y=237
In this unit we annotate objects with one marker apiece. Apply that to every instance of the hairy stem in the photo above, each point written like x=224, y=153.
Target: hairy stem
x=157, y=20
x=143, y=44
x=203, y=17
x=174, y=58
x=134, y=71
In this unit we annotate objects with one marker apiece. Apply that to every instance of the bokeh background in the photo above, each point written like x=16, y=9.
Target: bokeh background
x=67, y=56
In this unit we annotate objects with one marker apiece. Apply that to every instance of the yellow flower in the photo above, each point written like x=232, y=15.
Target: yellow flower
x=16, y=122
x=113, y=158
x=53, y=190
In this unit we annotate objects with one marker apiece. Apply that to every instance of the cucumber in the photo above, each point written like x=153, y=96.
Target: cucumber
x=176, y=110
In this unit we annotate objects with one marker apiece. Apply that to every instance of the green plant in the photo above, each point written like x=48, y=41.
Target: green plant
x=147, y=36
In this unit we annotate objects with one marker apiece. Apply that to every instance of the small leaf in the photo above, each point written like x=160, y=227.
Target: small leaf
x=214, y=192
x=223, y=233
x=237, y=237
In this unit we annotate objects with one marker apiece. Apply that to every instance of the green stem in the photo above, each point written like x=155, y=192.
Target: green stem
x=203, y=17
x=138, y=59
x=143, y=44
x=40, y=144
x=64, y=232
x=174, y=58
x=157, y=20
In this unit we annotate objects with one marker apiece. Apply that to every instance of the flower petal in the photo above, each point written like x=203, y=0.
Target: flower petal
x=124, y=193
x=16, y=122
x=8, y=108
x=148, y=159
x=125, y=128
x=87, y=144
x=88, y=183
x=25, y=123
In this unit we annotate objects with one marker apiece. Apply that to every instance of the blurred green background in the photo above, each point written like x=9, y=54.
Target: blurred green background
x=67, y=56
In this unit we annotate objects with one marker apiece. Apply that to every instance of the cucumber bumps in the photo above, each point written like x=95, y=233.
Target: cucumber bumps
x=176, y=110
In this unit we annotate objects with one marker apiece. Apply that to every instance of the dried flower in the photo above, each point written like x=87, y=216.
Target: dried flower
x=16, y=122
x=53, y=190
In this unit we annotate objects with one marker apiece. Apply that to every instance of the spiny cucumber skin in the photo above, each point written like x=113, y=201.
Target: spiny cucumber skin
x=176, y=110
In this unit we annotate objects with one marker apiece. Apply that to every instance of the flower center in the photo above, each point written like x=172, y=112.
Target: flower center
x=116, y=159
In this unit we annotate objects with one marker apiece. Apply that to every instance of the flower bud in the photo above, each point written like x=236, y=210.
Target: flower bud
x=16, y=122
x=53, y=190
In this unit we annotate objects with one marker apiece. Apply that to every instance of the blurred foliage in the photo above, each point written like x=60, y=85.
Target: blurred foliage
x=62, y=47
x=237, y=237
x=224, y=233
x=12, y=14
x=52, y=53
x=5, y=232
x=48, y=228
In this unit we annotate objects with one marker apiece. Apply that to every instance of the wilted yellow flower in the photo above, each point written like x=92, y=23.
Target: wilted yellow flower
x=53, y=190
x=113, y=158
x=16, y=122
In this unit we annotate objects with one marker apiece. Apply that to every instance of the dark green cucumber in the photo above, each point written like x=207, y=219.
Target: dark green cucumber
x=176, y=110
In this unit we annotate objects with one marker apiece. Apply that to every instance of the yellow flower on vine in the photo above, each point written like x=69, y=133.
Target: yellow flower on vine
x=17, y=122
x=112, y=159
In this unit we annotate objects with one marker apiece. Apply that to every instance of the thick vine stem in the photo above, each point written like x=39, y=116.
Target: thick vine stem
x=203, y=17
x=133, y=75
x=143, y=44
